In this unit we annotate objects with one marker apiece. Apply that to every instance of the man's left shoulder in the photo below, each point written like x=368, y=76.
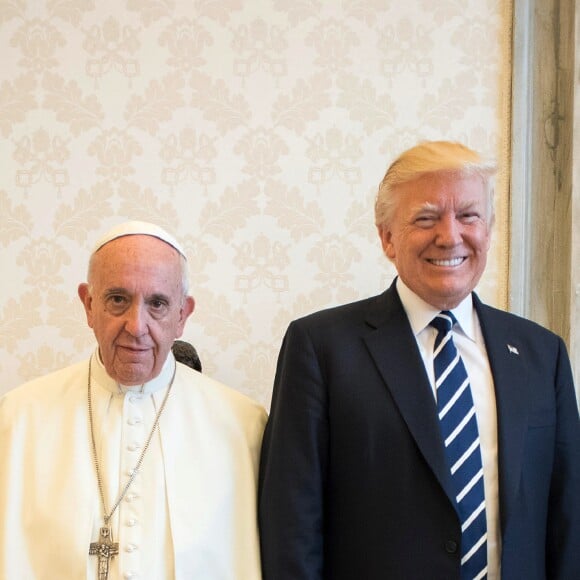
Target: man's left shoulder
x=507, y=334
x=512, y=322
x=200, y=389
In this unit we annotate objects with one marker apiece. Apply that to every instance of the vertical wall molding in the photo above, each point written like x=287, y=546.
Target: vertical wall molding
x=544, y=280
x=521, y=152
x=575, y=273
x=541, y=184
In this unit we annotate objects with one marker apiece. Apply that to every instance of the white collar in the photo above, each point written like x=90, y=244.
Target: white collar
x=420, y=313
x=101, y=377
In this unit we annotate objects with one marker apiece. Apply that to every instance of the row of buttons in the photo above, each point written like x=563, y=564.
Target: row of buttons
x=132, y=495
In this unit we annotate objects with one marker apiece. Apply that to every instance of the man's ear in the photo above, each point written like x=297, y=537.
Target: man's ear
x=386, y=236
x=187, y=308
x=87, y=300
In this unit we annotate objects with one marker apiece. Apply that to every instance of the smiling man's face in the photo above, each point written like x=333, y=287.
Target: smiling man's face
x=439, y=236
x=135, y=305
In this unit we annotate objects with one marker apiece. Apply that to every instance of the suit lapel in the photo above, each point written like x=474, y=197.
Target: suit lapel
x=507, y=358
x=394, y=350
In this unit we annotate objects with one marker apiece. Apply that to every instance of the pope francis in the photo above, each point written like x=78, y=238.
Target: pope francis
x=128, y=464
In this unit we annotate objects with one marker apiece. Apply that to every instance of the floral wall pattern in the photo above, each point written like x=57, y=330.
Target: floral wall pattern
x=256, y=131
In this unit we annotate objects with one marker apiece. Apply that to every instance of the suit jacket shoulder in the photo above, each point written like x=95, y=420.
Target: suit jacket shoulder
x=538, y=446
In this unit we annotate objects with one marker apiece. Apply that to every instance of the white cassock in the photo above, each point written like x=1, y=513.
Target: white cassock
x=191, y=511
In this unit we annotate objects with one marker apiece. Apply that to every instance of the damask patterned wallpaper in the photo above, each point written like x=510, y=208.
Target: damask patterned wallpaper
x=255, y=131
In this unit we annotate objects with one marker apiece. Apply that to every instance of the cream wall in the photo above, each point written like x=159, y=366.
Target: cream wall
x=255, y=131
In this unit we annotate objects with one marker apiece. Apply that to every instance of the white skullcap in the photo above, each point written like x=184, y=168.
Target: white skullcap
x=134, y=228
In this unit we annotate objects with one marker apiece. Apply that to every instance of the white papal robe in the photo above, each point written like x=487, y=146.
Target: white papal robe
x=190, y=513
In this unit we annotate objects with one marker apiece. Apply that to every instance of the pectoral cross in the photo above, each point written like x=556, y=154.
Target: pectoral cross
x=105, y=549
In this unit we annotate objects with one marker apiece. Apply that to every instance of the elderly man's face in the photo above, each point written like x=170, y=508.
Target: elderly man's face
x=135, y=306
x=439, y=237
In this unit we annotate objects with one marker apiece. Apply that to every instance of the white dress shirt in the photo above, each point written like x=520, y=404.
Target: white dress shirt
x=469, y=341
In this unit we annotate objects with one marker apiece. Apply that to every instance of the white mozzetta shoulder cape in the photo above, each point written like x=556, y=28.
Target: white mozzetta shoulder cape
x=210, y=441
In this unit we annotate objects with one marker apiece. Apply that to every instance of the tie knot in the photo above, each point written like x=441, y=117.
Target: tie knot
x=444, y=321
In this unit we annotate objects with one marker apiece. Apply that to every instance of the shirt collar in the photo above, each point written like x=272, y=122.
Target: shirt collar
x=420, y=313
x=101, y=377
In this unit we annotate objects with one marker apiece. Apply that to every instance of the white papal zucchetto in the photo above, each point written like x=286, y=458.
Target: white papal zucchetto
x=133, y=228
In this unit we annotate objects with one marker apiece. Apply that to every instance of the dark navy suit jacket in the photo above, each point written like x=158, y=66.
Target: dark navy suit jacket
x=353, y=480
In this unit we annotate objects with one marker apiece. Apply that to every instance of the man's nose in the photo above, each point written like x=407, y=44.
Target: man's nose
x=448, y=231
x=136, y=319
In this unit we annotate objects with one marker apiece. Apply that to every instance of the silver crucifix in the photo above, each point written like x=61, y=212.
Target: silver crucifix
x=105, y=549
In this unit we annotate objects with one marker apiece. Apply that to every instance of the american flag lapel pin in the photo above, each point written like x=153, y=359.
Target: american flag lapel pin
x=513, y=349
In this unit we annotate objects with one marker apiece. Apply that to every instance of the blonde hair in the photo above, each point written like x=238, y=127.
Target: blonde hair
x=432, y=157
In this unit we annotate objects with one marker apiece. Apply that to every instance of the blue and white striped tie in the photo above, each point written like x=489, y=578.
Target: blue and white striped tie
x=459, y=429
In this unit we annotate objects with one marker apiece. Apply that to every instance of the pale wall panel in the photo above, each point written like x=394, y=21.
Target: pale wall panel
x=256, y=131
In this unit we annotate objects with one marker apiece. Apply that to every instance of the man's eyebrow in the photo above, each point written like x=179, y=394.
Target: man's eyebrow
x=468, y=204
x=115, y=290
x=158, y=296
x=426, y=206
